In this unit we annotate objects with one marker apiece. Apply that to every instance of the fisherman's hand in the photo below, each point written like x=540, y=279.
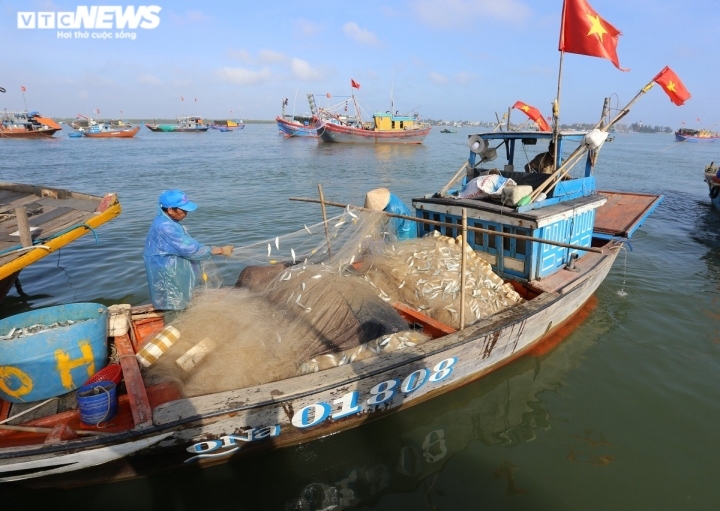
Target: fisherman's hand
x=227, y=250
x=216, y=250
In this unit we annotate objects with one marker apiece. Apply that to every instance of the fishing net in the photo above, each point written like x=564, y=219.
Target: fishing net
x=318, y=298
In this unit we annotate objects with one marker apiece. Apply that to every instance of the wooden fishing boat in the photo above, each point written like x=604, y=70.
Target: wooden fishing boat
x=446, y=130
x=27, y=125
x=690, y=135
x=188, y=124
x=36, y=221
x=713, y=182
x=107, y=131
x=227, y=125
x=298, y=126
x=385, y=128
x=550, y=254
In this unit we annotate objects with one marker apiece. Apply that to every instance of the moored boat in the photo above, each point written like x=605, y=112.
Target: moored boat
x=36, y=221
x=227, y=125
x=188, y=124
x=108, y=131
x=690, y=135
x=427, y=337
x=446, y=130
x=27, y=125
x=713, y=182
x=385, y=127
x=298, y=126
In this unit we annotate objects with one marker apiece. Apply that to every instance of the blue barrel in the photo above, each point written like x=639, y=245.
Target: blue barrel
x=38, y=366
x=97, y=402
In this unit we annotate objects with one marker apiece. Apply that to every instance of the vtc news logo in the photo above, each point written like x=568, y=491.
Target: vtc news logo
x=93, y=18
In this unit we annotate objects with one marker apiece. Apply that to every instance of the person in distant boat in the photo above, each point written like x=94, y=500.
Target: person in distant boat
x=543, y=162
x=380, y=199
x=172, y=255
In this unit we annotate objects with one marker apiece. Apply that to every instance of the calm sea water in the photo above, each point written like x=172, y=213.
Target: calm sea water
x=622, y=415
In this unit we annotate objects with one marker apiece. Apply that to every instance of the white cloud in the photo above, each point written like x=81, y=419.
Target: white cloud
x=461, y=13
x=438, y=78
x=272, y=56
x=360, y=35
x=302, y=70
x=243, y=76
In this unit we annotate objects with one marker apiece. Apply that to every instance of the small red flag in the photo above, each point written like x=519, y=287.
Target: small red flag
x=23, y=88
x=584, y=32
x=698, y=119
x=534, y=114
x=195, y=100
x=673, y=87
x=182, y=98
x=328, y=95
x=354, y=84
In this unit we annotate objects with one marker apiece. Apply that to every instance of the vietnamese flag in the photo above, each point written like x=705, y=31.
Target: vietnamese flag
x=23, y=88
x=584, y=32
x=354, y=84
x=671, y=84
x=534, y=114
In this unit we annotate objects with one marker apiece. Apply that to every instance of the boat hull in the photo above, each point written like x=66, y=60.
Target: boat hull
x=123, y=133
x=330, y=132
x=690, y=138
x=713, y=183
x=295, y=129
x=22, y=133
x=170, y=128
x=211, y=429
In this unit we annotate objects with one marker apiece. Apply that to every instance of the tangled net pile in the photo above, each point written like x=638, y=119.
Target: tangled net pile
x=312, y=300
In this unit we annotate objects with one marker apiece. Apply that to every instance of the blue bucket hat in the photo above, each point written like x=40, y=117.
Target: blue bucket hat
x=176, y=199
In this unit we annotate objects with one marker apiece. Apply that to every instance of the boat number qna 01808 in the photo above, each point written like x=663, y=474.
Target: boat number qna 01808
x=314, y=414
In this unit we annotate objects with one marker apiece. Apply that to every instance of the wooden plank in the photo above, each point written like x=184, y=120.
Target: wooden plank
x=137, y=395
x=79, y=204
x=622, y=212
x=47, y=217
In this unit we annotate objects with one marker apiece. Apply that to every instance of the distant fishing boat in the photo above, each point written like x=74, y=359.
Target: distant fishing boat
x=690, y=135
x=385, y=127
x=27, y=125
x=188, y=124
x=227, y=125
x=108, y=131
x=298, y=125
x=448, y=131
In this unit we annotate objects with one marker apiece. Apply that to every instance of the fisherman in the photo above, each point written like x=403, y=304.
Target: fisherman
x=380, y=199
x=172, y=255
x=543, y=163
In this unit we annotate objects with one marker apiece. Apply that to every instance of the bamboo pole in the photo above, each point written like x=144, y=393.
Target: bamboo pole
x=454, y=226
x=463, y=262
x=324, y=215
x=457, y=175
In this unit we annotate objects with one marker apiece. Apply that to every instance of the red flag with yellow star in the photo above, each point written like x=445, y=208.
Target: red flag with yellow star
x=671, y=84
x=534, y=114
x=583, y=31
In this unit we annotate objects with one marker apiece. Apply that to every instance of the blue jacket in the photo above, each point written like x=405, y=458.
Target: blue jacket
x=401, y=228
x=171, y=257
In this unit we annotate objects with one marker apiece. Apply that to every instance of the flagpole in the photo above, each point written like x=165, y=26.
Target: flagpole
x=556, y=110
x=24, y=101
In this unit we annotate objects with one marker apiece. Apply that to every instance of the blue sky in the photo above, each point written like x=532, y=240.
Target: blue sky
x=446, y=59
